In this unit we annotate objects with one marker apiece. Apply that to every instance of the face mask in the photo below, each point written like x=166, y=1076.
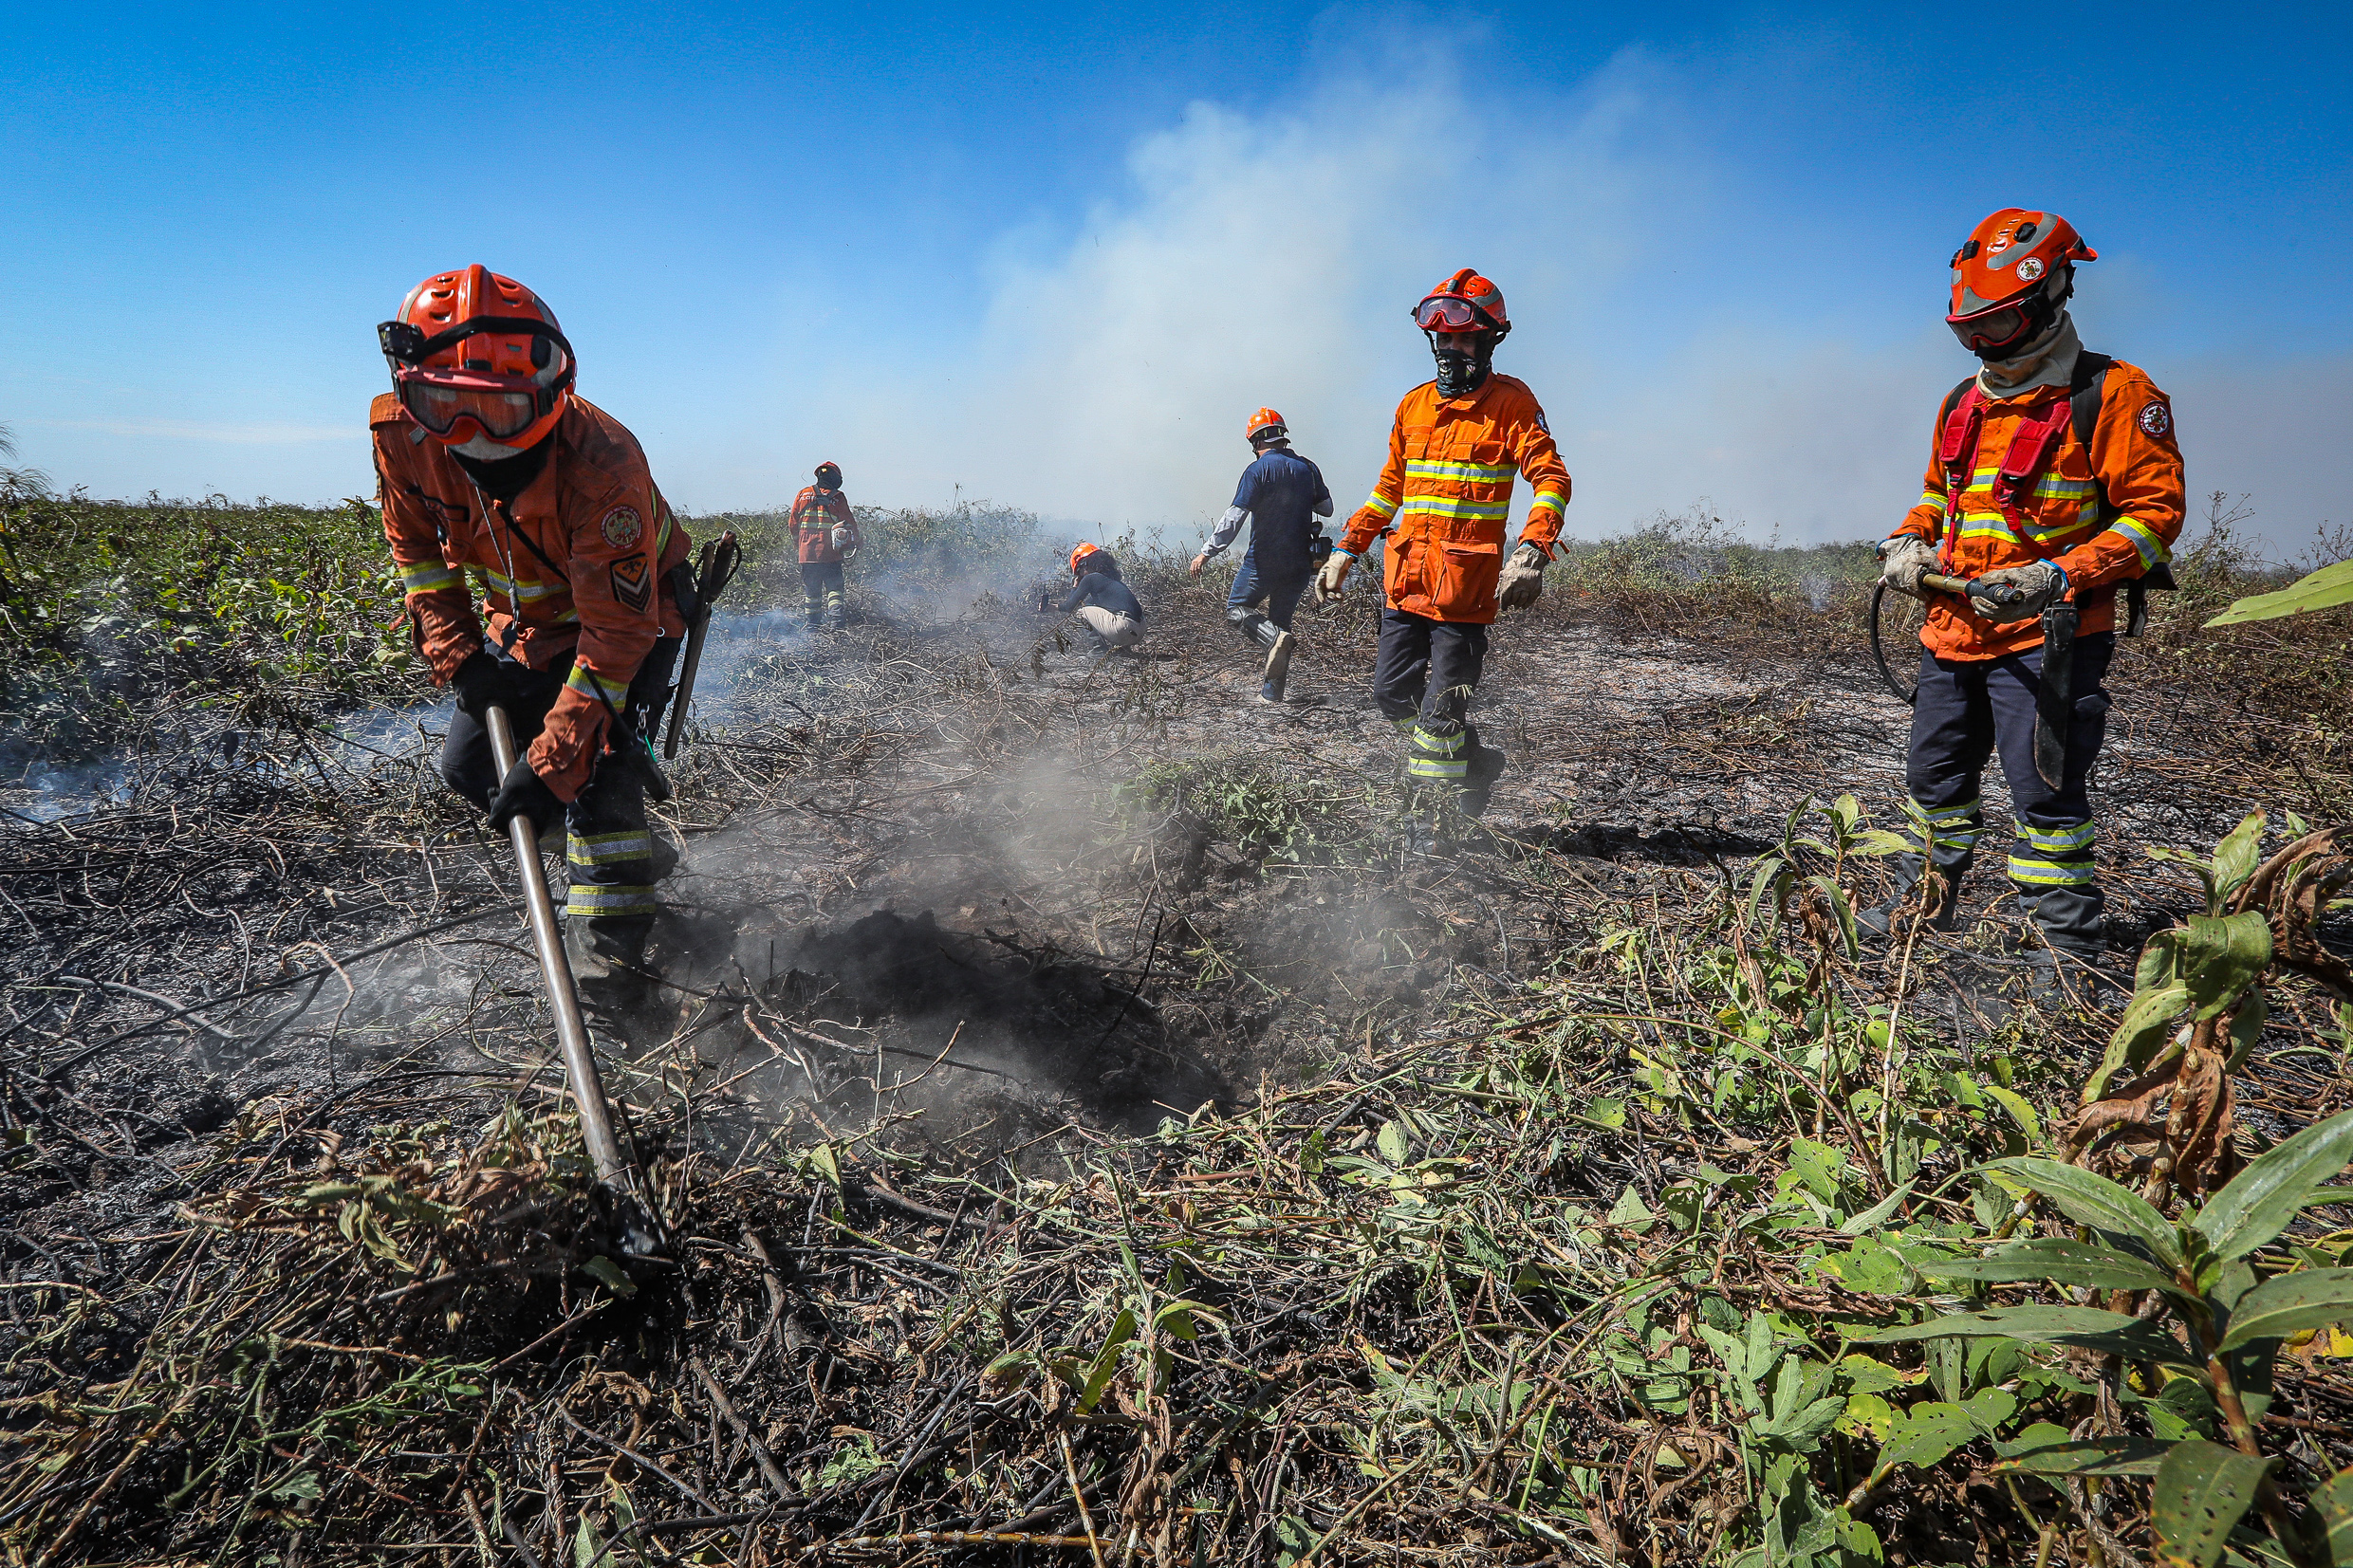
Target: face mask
x=1460, y=373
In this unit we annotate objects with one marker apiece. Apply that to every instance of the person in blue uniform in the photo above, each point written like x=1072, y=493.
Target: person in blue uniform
x=1283, y=498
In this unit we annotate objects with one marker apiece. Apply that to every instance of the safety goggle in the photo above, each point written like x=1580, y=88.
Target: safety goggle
x=439, y=407
x=1988, y=328
x=1448, y=315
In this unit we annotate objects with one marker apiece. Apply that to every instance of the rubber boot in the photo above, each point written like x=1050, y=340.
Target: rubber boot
x=617, y=994
x=1278, y=667
x=1484, y=766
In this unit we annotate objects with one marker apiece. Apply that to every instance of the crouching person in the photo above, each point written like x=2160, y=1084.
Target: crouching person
x=490, y=463
x=1107, y=606
x=1280, y=497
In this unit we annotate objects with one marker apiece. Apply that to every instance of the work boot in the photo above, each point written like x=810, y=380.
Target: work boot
x=2067, y=979
x=1278, y=667
x=1891, y=912
x=1485, y=767
x=619, y=996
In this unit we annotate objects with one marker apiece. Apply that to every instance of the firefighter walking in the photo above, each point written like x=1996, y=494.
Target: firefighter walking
x=2054, y=479
x=1442, y=503
x=490, y=463
x=824, y=534
x=1281, y=498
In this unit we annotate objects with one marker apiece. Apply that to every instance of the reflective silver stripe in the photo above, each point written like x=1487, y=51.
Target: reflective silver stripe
x=2051, y=872
x=588, y=898
x=597, y=849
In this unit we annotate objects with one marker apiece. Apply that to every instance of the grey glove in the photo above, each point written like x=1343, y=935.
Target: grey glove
x=1907, y=558
x=2031, y=591
x=1523, y=578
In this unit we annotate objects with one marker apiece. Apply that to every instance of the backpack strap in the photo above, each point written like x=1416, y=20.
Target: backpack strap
x=2086, y=390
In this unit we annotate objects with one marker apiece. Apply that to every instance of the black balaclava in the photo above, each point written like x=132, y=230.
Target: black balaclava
x=505, y=478
x=829, y=478
x=1461, y=373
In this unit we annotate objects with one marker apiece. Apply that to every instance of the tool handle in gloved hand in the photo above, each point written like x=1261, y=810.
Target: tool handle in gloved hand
x=714, y=569
x=555, y=968
x=2003, y=593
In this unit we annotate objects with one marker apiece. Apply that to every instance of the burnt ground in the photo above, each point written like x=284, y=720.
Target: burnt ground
x=957, y=893
x=1122, y=887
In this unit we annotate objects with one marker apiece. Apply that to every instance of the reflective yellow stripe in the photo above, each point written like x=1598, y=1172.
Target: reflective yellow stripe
x=1934, y=499
x=1447, y=506
x=589, y=898
x=1386, y=509
x=1476, y=473
x=2144, y=539
x=597, y=849
x=1554, y=499
x=521, y=591
x=429, y=577
x=2051, y=872
x=588, y=684
x=2057, y=841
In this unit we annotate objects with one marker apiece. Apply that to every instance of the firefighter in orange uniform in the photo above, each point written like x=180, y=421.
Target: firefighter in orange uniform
x=490, y=463
x=2054, y=478
x=825, y=533
x=1442, y=503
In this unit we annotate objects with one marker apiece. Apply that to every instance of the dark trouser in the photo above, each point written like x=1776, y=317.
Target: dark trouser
x=1279, y=591
x=821, y=584
x=609, y=851
x=1967, y=710
x=1422, y=680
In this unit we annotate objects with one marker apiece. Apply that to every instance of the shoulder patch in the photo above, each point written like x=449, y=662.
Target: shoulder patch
x=2156, y=419
x=632, y=581
x=622, y=527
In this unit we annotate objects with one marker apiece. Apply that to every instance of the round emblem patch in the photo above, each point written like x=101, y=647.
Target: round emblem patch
x=2156, y=418
x=2031, y=268
x=622, y=529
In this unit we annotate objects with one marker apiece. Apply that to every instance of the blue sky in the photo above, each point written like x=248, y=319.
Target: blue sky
x=1055, y=255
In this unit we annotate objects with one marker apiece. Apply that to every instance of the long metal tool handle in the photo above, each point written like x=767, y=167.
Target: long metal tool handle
x=685, y=692
x=580, y=1061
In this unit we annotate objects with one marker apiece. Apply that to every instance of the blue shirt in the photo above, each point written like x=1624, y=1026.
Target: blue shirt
x=1109, y=592
x=1285, y=494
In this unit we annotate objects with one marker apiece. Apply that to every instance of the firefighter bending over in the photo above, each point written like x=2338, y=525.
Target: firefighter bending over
x=2053, y=478
x=1442, y=502
x=1101, y=600
x=1280, y=497
x=824, y=534
x=490, y=463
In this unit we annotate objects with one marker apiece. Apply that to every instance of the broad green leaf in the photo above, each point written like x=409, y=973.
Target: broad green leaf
x=2061, y=1262
x=2149, y=1019
x=2261, y=1200
x=2321, y=590
x=1927, y=1433
x=1108, y=1359
x=1867, y=1414
x=2221, y=958
x=609, y=1274
x=1877, y=1213
x=2020, y=1111
x=2333, y=1500
x=1390, y=1141
x=2095, y=1201
x=2060, y=1323
x=2066, y=1455
x=2202, y=1490
x=1866, y=1376
x=1818, y=1166
x=2290, y=1303
x=2237, y=857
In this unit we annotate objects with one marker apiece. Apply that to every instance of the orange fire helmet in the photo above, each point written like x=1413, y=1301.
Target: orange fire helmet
x=476, y=354
x=1464, y=303
x=1265, y=422
x=2010, y=279
x=1080, y=557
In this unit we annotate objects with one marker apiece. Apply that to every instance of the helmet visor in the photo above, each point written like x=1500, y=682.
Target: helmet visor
x=1448, y=315
x=439, y=407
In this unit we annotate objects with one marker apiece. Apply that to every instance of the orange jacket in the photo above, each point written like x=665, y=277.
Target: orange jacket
x=815, y=514
x=1445, y=495
x=572, y=573
x=2134, y=458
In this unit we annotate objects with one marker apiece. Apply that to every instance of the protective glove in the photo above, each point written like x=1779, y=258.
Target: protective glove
x=523, y=793
x=1523, y=578
x=1906, y=558
x=2039, y=586
x=1333, y=578
x=480, y=684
